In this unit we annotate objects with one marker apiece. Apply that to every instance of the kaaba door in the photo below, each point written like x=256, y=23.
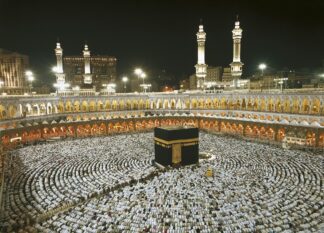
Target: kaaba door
x=176, y=153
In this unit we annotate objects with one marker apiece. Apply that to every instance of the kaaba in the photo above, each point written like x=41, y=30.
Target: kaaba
x=176, y=146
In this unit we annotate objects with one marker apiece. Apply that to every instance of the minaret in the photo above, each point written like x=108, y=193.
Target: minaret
x=201, y=67
x=87, y=77
x=236, y=65
x=60, y=76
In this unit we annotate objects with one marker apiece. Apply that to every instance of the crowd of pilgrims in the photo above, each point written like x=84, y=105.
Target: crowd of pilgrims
x=109, y=184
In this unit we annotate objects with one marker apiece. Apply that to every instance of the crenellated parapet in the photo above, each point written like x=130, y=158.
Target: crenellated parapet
x=292, y=103
x=260, y=116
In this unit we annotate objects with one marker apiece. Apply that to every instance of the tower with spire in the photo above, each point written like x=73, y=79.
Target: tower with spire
x=236, y=65
x=201, y=67
x=60, y=76
x=87, y=77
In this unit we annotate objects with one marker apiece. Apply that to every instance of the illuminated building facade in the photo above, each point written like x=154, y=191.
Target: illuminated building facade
x=236, y=65
x=201, y=67
x=12, y=72
x=217, y=76
x=258, y=116
x=87, y=71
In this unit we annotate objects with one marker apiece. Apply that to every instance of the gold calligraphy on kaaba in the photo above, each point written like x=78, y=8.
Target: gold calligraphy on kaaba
x=176, y=141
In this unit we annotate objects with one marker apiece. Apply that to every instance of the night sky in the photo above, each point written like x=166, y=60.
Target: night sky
x=158, y=35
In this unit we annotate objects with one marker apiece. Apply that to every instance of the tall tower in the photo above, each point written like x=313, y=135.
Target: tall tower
x=201, y=67
x=236, y=65
x=60, y=76
x=87, y=77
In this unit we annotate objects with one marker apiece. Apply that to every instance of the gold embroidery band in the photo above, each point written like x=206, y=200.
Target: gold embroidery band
x=191, y=140
x=190, y=144
x=163, y=145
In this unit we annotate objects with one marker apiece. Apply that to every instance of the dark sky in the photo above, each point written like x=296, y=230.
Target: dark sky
x=161, y=34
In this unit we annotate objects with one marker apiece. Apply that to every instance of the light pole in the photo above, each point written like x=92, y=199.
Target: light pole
x=124, y=79
x=321, y=77
x=262, y=67
x=1, y=84
x=30, y=79
x=143, y=76
x=138, y=72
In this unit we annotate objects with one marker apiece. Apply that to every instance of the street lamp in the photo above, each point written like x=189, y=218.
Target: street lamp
x=321, y=76
x=29, y=73
x=262, y=67
x=138, y=72
x=30, y=79
x=143, y=76
x=124, y=79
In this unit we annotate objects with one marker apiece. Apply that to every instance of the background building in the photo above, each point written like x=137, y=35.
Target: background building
x=193, y=82
x=12, y=72
x=102, y=68
x=214, y=74
x=212, y=77
x=227, y=76
x=85, y=72
x=184, y=85
x=290, y=80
